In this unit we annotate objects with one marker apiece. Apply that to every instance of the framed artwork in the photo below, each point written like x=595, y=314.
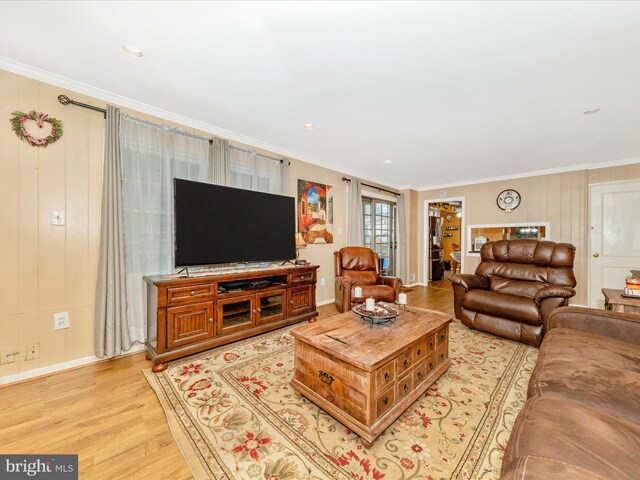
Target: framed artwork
x=315, y=211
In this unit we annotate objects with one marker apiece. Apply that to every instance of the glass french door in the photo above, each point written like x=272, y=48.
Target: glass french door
x=380, y=232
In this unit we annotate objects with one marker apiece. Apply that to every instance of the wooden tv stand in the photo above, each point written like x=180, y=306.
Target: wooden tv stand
x=187, y=315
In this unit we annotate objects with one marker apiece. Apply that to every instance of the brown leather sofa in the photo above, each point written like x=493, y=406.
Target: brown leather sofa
x=515, y=288
x=359, y=267
x=582, y=417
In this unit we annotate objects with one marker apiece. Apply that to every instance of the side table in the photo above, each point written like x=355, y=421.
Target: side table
x=614, y=301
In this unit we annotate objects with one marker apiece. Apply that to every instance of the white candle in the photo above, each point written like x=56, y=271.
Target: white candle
x=357, y=292
x=369, y=304
x=402, y=298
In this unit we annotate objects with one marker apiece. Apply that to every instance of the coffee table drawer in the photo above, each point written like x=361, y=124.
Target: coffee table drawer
x=441, y=354
x=430, y=363
x=404, y=387
x=419, y=351
x=431, y=343
x=385, y=376
x=420, y=373
x=385, y=401
x=341, y=384
x=404, y=361
x=442, y=337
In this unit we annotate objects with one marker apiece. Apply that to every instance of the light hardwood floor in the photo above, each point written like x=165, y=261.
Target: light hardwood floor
x=108, y=414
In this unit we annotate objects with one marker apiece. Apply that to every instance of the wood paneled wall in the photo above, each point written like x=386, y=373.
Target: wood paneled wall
x=47, y=269
x=561, y=199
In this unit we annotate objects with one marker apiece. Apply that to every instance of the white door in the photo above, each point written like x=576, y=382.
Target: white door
x=615, y=236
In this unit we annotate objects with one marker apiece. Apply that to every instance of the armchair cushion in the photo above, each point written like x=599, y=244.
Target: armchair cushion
x=382, y=293
x=502, y=305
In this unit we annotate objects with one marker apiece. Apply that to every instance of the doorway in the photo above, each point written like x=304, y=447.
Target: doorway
x=444, y=238
x=614, y=240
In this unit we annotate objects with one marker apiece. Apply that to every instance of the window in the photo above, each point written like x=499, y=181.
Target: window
x=253, y=171
x=380, y=232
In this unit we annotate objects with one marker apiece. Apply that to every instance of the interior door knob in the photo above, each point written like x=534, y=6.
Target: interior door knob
x=596, y=255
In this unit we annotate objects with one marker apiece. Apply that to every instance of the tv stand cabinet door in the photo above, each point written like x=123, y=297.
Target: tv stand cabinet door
x=301, y=300
x=236, y=313
x=271, y=306
x=189, y=324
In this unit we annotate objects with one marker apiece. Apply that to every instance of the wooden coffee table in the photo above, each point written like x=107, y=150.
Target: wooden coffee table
x=365, y=376
x=613, y=300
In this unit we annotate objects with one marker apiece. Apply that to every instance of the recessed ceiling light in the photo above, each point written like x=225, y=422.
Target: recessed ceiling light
x=132, y=50
x=589, y=112
x=309, y=126
x=387, y=162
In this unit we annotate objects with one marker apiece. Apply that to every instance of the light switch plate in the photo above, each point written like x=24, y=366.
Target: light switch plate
x=57, y=217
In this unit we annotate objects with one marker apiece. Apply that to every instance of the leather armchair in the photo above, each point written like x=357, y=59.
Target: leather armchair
x=359, y=267
x=515, y=288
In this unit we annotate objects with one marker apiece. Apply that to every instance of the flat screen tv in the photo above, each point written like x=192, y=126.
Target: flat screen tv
x=215, y=224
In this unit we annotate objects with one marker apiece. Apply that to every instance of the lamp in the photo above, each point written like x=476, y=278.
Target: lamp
x=300, y=243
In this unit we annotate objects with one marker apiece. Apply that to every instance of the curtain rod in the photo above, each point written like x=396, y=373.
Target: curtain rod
x=64, y=100
x=345, y=179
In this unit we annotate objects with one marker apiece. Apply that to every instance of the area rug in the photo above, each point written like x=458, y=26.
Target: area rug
x=234, y=415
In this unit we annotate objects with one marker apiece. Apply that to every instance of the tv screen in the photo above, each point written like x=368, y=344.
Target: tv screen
x=215, y=224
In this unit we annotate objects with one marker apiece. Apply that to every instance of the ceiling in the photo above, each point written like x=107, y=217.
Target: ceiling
x=450, y=92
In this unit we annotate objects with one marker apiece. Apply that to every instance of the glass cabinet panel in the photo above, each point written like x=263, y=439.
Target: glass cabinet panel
x=235, y=314
x=271, y=306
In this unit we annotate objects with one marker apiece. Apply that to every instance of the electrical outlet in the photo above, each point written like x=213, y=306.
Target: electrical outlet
x=33, y=351
x=322, y=281
x=412, y=277
x=8, y=355
x=61, y=320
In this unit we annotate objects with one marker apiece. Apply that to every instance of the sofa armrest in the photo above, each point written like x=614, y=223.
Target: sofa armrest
x=620, y=326
x=394, y=282
x=553, y=291
x=470, y=282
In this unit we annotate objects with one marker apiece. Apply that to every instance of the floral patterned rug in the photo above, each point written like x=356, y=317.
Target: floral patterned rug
x=234, y=415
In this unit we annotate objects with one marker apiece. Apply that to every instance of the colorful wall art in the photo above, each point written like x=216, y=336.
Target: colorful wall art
x=315, y=212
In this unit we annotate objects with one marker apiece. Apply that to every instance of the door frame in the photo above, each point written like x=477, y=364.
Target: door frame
x=425, y=243
x=589, y=251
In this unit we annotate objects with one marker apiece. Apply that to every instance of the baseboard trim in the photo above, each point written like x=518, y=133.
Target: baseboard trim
x=61, y=367
x=325, y=302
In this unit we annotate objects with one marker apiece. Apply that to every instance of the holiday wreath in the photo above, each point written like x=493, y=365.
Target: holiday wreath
x=17, y=124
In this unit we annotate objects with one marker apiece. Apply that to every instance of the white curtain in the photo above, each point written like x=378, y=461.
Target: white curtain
x=112, y=329
x=356, y=227
x=219, y=168
x=152, y=156
x=401, y=238
x=253, y=171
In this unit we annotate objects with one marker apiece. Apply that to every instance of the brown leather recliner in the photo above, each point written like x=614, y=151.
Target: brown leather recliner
x=515, y=288
x=359, y=267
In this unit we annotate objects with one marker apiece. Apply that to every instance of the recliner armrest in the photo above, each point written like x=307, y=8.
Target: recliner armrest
x=620, y=326
x=394, y=282
x=557, y=291
x=470, y=282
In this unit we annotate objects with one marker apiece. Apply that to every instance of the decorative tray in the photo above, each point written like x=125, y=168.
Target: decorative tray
x=381, y=313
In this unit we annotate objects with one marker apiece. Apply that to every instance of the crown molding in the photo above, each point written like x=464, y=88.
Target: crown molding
x=126, y=102
x=536, y=173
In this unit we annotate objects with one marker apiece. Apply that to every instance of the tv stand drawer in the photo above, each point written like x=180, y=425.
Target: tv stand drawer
x=190, y=294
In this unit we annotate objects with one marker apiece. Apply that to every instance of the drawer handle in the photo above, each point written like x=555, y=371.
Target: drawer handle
x=419, y=352
x=441, y=336
x=325, y=377
x=431, y=365
x=431, y=345
x=406, y=388
x=419, y=375
x=405, y=363
x=291, y=302
x=385, y=400
x=442, y=356
x=259, y=309
x=193, y=293
x=302, y=277
x=211, y=320
x=386, y=376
